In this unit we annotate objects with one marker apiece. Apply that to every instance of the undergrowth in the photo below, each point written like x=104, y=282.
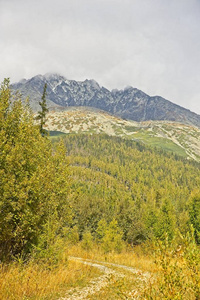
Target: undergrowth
x=19, y=281
x=178, y=271
x=174, y=273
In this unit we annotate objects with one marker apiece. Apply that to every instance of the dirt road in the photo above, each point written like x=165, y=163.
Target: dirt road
x=108, y=270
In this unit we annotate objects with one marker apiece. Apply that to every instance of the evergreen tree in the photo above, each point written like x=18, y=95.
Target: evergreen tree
x=44, y=110
x=194, y=213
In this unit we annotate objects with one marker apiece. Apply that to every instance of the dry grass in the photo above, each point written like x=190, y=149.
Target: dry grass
x=130, y=285
x=130, y=257
x=32, y=281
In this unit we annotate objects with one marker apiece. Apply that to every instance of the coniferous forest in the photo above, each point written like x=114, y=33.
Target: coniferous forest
x=150, y=193
x=94, y=190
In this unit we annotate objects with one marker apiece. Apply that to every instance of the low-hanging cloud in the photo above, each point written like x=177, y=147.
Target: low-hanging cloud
x=153, y=45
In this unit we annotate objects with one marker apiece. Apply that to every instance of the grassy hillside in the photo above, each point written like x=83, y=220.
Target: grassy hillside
x=181, y=139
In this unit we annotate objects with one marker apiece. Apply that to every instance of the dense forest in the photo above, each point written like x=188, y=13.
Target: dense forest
x=147, y=191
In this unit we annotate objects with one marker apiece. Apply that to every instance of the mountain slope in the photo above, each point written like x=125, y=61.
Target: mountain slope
x=176, y=137
x=129, y=103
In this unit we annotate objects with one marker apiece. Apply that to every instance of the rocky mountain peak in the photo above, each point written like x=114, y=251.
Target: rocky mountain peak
x=130, y=103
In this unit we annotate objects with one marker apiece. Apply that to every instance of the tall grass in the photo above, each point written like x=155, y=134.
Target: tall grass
x=32, y=281
x=138, y=257
x=35, y=281
x=175, y=271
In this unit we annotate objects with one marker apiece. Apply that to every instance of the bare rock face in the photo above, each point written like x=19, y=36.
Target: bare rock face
x=129, y=103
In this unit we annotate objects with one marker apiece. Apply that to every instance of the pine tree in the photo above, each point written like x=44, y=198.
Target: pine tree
x=42, y=114
x=194, y=213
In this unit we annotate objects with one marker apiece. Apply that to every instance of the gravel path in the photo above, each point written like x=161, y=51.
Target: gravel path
x=97, y=284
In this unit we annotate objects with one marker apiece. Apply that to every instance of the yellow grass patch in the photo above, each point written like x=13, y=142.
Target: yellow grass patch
x=32, y=281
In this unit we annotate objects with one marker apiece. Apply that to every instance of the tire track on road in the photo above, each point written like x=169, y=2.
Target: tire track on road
x=102, y=281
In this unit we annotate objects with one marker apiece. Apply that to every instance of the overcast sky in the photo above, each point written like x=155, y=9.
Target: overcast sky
x=153, y=45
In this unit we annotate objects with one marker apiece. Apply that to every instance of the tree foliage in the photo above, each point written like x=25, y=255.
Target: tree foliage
x=110, y=236
x=34, y=187
x=44, y=110
x=146, y=190
x=194, y=213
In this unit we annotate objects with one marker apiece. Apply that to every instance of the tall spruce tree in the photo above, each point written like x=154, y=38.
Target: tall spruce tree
x=44, y=110
x=194, y=213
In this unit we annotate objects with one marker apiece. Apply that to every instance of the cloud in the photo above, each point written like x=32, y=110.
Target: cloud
x=153, y=45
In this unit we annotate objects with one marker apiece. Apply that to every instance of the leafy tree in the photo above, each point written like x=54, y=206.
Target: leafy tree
x=33, y=190
x=101, y=229
x=87, y=241
x=110, y=236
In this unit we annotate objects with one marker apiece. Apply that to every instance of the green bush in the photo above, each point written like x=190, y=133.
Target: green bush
x=179, y=270
x=87, y=241
x=110, y=236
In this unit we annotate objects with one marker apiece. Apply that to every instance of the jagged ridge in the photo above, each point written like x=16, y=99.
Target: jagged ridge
x=129, y=103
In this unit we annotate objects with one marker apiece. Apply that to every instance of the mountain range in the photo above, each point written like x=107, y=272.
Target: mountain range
x=129, y=103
